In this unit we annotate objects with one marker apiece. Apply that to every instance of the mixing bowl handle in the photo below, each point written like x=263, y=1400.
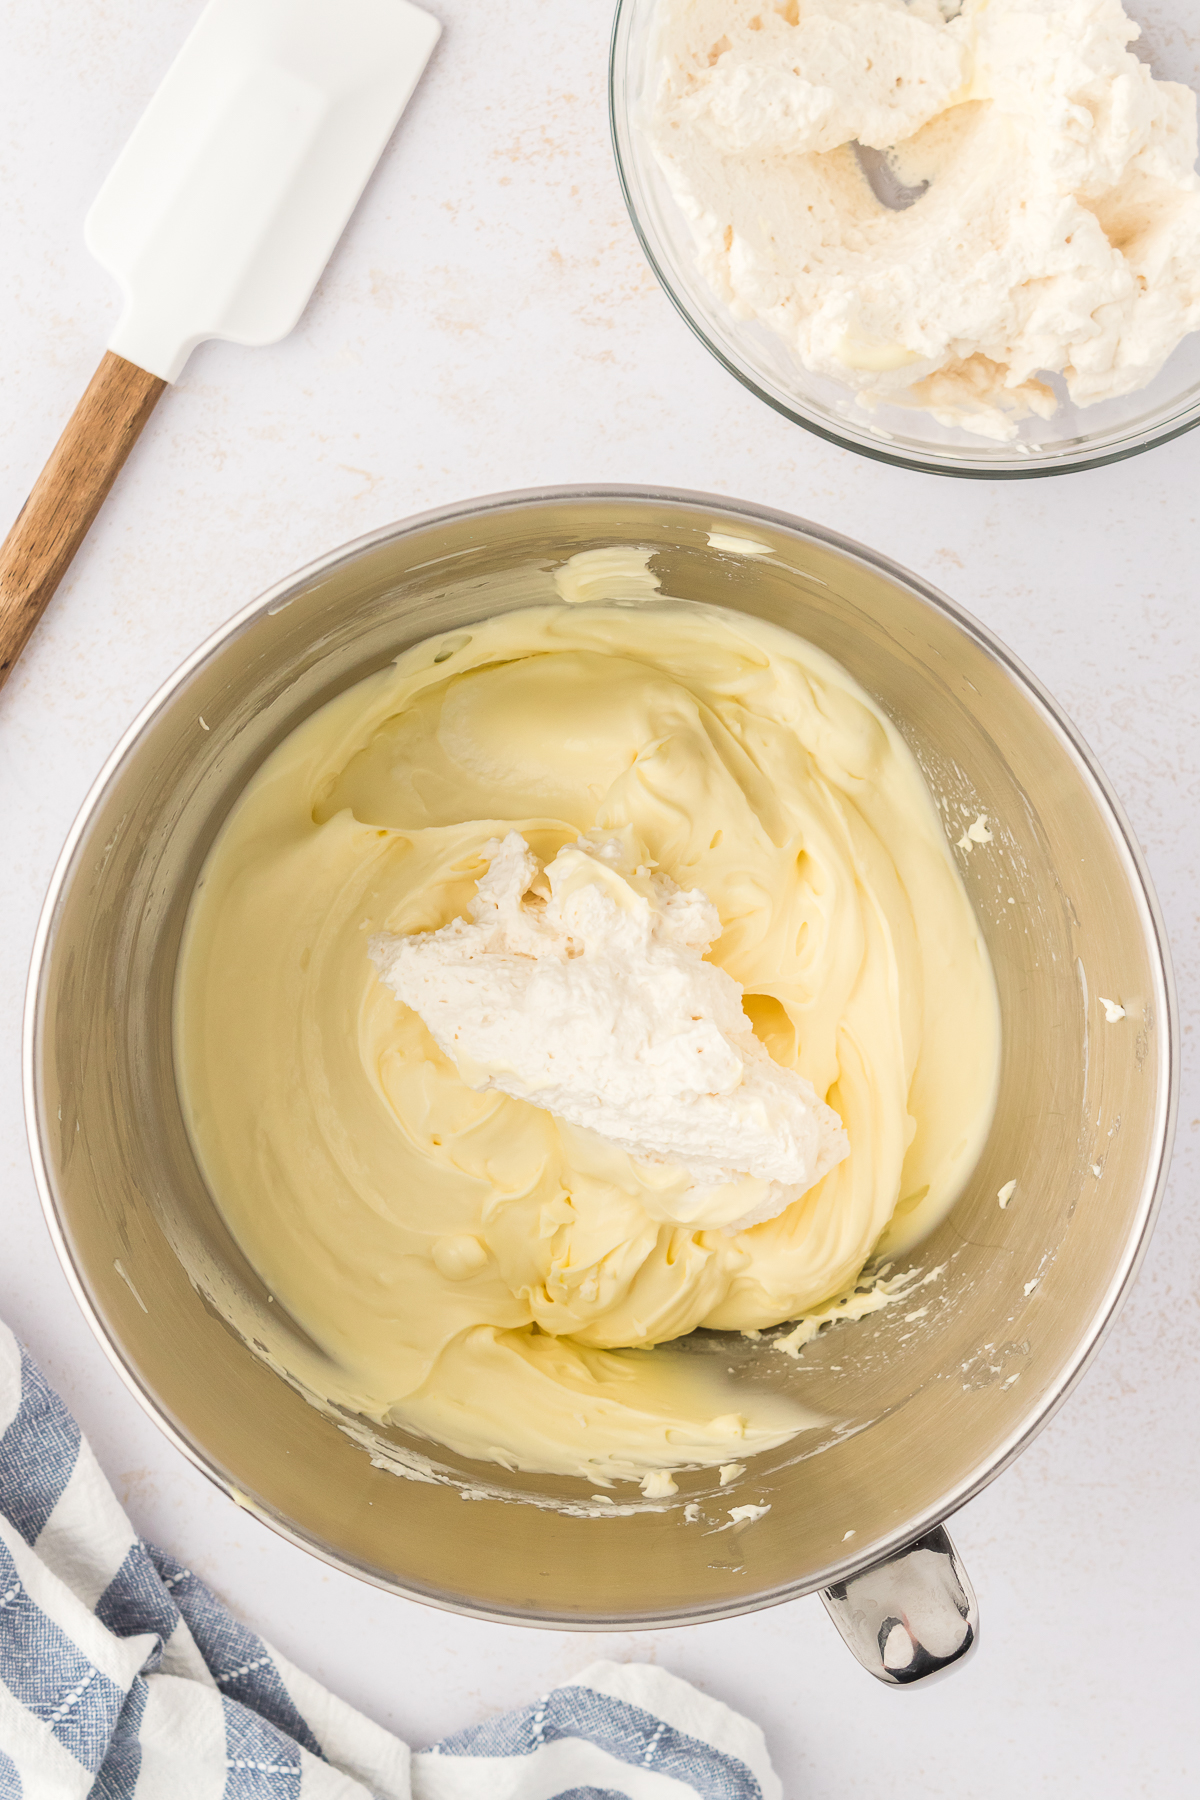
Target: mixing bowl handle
x=912, y=1616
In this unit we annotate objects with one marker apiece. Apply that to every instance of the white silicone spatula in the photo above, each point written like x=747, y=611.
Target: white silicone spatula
x=217, y=220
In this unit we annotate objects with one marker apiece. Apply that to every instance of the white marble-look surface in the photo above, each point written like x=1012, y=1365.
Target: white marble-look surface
x=488, y=322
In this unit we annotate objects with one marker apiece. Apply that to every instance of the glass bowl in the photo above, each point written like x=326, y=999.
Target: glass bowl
x=1073, y=438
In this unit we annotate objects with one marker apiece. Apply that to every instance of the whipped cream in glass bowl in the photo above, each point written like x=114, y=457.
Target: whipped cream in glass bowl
x=960, y=236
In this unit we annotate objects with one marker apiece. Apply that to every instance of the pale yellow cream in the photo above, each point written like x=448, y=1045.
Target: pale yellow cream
x=475, y=1270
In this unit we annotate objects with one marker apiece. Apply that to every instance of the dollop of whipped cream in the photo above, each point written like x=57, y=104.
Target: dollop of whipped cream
x=582, y=987
x=1049, y=212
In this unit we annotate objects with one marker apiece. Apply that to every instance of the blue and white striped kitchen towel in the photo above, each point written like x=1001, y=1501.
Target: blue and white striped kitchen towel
x=123, y=1678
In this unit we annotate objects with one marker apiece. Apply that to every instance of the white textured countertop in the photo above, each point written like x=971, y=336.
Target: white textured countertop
x=489, y=322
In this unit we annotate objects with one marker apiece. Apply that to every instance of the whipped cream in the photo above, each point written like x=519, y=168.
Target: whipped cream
x=582, y=988
x=1054, y=223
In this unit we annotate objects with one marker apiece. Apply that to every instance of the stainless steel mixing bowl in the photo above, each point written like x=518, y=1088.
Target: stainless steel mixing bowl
x=927, y=1401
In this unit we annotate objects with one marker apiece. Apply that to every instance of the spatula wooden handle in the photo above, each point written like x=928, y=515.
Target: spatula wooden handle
x=68, y=494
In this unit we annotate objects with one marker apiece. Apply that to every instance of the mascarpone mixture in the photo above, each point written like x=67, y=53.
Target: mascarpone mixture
x=1049, y=210
x=572, y=983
